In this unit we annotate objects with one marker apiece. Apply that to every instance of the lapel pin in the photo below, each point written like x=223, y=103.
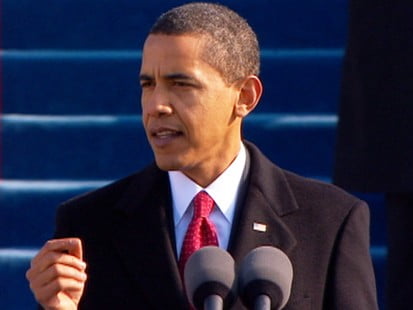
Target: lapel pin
x=259, y=227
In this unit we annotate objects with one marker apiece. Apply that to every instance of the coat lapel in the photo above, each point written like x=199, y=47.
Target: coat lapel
x=143, y=235
x=143, y=231
x=267, y=199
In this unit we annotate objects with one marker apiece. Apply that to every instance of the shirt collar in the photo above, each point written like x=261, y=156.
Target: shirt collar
x=223, y=190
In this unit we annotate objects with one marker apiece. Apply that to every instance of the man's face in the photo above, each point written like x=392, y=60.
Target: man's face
x=188, y=109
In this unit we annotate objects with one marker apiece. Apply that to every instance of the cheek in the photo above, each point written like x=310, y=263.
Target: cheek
x=145, y=120
x=144, y=100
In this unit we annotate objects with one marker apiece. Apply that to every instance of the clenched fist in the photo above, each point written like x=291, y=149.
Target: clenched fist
x=57, y=274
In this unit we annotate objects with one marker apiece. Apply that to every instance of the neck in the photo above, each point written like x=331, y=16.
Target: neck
x=208, y=174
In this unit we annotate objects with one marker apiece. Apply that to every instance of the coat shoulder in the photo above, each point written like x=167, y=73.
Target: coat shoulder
x=312, y=189
x=107, y=196
x=329, y=202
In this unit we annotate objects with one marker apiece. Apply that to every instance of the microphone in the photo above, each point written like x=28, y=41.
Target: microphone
x=209, y=277
x=265, y=279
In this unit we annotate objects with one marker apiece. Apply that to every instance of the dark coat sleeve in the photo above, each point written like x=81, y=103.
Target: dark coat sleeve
x=351, y=283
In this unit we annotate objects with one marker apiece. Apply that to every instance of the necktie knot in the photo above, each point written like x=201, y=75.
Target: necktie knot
x=203, y=204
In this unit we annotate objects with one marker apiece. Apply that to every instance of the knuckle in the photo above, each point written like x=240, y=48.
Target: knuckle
x=54, y=269
x=48, y=244
x=59, y=283
x=53, y=256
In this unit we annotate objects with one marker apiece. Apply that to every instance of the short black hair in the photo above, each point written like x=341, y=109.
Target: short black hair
x=231, y=46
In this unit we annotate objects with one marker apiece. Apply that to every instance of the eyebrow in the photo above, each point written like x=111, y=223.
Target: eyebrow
x=171, y=76
x=145, y=77
x=178, y=76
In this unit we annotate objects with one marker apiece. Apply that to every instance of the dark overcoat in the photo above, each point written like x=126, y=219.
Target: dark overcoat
x=129, y=245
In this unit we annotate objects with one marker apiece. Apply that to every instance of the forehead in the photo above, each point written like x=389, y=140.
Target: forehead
x=172, y=52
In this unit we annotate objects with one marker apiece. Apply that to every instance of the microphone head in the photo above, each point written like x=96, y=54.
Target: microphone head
x=210, y=271
x=267, y=271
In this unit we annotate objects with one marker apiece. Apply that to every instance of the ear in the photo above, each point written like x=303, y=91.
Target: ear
x=250, y=94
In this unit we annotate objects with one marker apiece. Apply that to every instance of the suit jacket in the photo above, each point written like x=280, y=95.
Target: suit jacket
x=128, y=239
x=375, y=140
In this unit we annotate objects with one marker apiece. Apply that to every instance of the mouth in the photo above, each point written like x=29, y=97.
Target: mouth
x=165, y=133
x=161, y=137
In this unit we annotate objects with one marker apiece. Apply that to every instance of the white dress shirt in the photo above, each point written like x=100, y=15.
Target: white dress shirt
x=224, y=191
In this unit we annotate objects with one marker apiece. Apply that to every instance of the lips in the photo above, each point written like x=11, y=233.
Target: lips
x=162, y=137
x=167, y=133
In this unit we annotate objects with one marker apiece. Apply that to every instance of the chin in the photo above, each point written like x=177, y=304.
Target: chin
x=167, y=164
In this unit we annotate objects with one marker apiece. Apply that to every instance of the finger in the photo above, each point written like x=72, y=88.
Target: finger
x=52, y=259
x=60, y=288
x=71, y=246
x=54, y=272
x=76, y=248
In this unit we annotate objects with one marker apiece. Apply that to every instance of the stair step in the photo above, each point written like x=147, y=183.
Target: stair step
x=113, y=146
x=123, y=24
x=22, y=201
x=106, y=82
x=15, y=293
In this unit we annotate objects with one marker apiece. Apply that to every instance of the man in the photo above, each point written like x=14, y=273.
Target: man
x=375, y=141
x=199, y=80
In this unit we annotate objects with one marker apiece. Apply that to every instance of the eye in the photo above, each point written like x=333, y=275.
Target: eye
x=182, y=83
x=147, y=83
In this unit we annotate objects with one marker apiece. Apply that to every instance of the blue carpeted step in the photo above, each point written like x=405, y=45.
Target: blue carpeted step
x=379, y=263
x=28, y=208
x=123, y=24
x=106, y=82
x=14, y=289
x=378, y=229
x=95, y=147
x=108, y=147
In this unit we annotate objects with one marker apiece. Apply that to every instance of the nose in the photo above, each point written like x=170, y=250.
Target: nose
x=156, y=103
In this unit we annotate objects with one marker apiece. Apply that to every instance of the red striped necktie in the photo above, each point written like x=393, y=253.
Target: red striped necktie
x=201, y=231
